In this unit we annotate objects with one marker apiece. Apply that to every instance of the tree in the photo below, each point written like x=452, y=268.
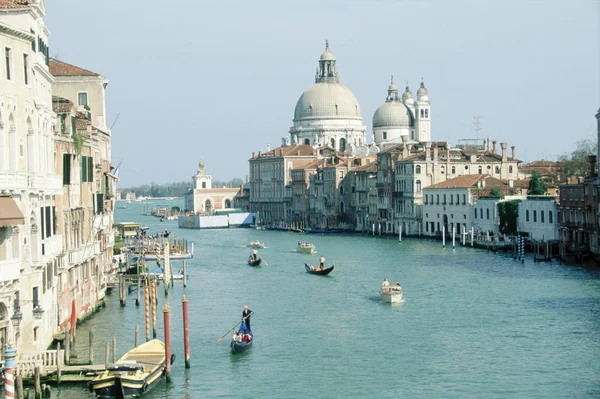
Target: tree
x=537, y=186
x=495, y=193
x=508, y=212
x=576, y=163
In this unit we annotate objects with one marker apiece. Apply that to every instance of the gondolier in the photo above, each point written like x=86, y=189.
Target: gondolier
x=246, y=317
x=322, y=262
x=254, y=254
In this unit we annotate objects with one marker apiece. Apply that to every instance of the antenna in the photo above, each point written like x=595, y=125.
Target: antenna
x=115, y=121
x=477, y=125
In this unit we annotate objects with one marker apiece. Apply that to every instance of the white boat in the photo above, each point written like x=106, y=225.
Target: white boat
x=257, y=244
x=172, y=256
x=306, y=248
x=391, y=293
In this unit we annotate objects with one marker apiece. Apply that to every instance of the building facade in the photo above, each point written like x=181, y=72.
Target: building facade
x=538, y=217
x=204, y=199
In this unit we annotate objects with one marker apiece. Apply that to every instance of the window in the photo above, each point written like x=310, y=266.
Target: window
x=437, y=199
x=457, y=199
x=527, y=215
x=497, y=170
x=82, y=98
x=451, y=199
x=442, y=169
x=426, y=200
x=341, y=174
x=418, y=186
x=542, y=217
x=534, y=216
x=87, y=169
x=480, y=170
x=418, y=169
x=549, y=216
x=307, y=141
x=475, y=213
x=454, y=170
x=8, y=62
x=26, y=68
x=481, y=213
x=510, y=169
x=487, y=213
x=426, y=113
x=342, y=190
x=422, y=113
x=66, y=169
x=385, y=135
x=464, y=199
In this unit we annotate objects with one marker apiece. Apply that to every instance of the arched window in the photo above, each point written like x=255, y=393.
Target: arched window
x=550, y=217
x=418, y=169
x=422, y=113
x=228, y=203
x=307, y=141
x=534, y=216
x=442, y=169
x=480, y=170
x=203, y=184
x=342, y=207
x=426, y=113
x=542, y=217
x=418, y=186
x=332, y=141
x=208, y=206
x=385, y=135
x=510, y=169
x=343, y=145
x=527, y=215
x=454, y=170
x=342, y=190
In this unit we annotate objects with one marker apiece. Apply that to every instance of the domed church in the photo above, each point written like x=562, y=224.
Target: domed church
x=328, y=113
x=402, y=117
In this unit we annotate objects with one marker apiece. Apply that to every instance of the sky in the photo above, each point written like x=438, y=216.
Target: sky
x=218, y=80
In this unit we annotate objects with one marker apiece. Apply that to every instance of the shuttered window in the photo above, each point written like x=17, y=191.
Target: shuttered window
x=66, y=169
x=48, y=215
x=42, y=223
x=99, y=203
x=84, y=166
x=90, y=169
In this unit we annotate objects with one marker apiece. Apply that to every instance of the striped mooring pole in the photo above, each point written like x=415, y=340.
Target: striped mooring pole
x=10, y=354
x=147, y=305
x=154, y=304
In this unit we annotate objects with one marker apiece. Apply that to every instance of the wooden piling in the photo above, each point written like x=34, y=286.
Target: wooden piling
x=443, y=236
x=186, y=337
x=453, y=237
x=154, y=305
x=67, y=347
x=167, y=343
x=114, y=350
x=106, y=354
x=91, y=346
x=19, y=386
x=139, y=286
x=58, y=375
x=147, y=308
x=36, y=383
x=137, y=335
x=185, y=272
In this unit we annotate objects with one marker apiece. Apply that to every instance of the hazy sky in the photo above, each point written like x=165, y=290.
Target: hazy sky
x=220, y=79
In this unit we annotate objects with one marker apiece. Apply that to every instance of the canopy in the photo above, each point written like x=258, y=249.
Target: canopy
x=10, y=215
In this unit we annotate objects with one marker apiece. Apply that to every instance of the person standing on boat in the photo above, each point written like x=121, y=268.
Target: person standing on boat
x=322, y=262
x=385, y=283
x=254, y=254
x=246, y=316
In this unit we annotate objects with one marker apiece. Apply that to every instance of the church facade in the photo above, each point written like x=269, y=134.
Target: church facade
x=204, y=199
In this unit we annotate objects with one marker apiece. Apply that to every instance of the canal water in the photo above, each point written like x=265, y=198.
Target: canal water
x=473, y=324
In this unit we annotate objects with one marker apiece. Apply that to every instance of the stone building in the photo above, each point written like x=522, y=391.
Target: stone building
x=204, y=199
x=538, y=217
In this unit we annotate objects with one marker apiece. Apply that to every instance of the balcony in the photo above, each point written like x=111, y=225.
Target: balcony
x=101, y=222
x=51, y=184
x=9, y=269
x=53, y=246
x=13, y=181
x=83, y=254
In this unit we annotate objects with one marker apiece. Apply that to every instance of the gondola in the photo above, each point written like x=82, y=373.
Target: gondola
x=313, y=270
x=239, y=347
x=254, y=262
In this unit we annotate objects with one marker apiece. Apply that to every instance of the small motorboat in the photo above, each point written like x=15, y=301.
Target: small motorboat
x=317, y=270
x=256, y=244
x=305, y=247
x=254, y=262
x=134, y=374
x=391, y=293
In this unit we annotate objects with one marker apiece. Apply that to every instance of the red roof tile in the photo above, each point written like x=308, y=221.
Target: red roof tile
x=60, y=68
x=15, y=3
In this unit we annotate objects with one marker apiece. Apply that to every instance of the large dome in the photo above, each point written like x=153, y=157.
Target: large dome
x=393, y=114
x=327, y=100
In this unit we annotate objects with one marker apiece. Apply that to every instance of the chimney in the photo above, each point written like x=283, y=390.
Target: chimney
x=483, y=183
x=511, y=183
x=404, y=147
x=435, y=154
x=427, y=151
x=494, y=146
x=514, y=152
x=252, y=154
x=488, y=144
x=504, y=156
x=592, y=159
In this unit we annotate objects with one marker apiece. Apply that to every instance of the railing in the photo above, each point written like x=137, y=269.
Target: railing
x=13, y=180
x=51, y=183
x=83, y=253
x=28, y=362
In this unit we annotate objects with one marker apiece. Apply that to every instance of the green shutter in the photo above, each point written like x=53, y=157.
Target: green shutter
x=84, y=169
x=66, y=169
x=90, y=169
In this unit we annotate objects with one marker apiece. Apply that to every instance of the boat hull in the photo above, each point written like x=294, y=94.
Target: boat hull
x=391, y=297
x=306, y=250
x=171, y=256
x=254, y=263
x=239, y=347
x=323, y=272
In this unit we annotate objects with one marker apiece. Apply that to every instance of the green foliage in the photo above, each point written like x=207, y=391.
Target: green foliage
x=178, y=189
x=87, y=107
x=537, y=186
x=576, y=163
x=77, y=142
x=496, y=194
x=508, y=212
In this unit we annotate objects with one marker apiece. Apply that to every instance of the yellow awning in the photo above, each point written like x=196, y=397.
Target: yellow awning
x=10, y=215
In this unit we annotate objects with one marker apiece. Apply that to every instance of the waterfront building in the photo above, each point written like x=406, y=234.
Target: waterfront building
x=360, y=185
x=204, y=199
x=538, y=217
x=300, y=199
x=328, y=113
x=402, y=117
x=270, y=180
x=30, y=242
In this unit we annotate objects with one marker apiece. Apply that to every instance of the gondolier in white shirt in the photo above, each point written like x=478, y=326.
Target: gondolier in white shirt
x=322, y=262
x=254, y=254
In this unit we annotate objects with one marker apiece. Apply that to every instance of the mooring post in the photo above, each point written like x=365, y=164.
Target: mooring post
x=114, y=350
x=137, y=335
x=139, y=286
x=154, y=305
x=67, y=347
x=167, y=343
x=106, y=354
x=185, y=272
x=19, y=387
x=186, y=336
x=400, y=232
x=472, y=235
x=147, y=306
x=58, y=375
x=37, y=387
x=10, y=355
x=91, y=343
x=444, y=236
x=453, y=237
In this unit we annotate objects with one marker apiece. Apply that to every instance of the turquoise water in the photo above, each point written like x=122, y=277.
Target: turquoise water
x=473, y=324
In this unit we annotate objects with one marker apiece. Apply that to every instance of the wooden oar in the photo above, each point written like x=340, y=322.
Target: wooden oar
x=244, y=319
x=263, y=259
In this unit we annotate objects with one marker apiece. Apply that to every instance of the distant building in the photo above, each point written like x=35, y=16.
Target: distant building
x=538, y=217
x=130, y=196
x=204, y=199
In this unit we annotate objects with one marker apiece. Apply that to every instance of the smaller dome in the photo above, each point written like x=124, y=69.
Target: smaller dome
x=393, y=86
x=393, y=114
x=422, y=91
x=327, y=56
x=407, y=95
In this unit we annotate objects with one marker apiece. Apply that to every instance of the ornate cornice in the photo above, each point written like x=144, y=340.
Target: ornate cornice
x=16, y=33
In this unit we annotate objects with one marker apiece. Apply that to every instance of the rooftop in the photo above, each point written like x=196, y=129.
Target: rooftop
x=60, y=68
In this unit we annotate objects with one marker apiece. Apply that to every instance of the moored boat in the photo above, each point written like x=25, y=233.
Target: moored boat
x=391, y=293
x=134, y=374
x=257, y=244
x=254, y=262
x=317, y=270
x=305, y=247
